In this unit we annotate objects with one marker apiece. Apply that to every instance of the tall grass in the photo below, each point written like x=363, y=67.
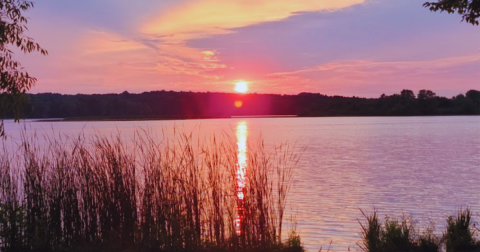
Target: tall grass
x=106, y=194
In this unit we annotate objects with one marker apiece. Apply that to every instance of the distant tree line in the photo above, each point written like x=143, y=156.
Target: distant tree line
x=185, y=105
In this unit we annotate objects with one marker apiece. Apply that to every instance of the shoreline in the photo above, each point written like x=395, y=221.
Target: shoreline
x=113, y=119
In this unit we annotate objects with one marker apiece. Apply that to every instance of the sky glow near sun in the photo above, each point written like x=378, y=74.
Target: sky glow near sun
x=335, y=47
x=241, y=87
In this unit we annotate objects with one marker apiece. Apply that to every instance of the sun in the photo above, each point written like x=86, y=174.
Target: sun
x=241, y=87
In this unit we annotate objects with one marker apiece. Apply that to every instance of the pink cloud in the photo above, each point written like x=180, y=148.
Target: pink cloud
x=371, y=78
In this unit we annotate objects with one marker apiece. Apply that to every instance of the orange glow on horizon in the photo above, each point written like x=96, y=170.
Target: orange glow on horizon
x=241, y=87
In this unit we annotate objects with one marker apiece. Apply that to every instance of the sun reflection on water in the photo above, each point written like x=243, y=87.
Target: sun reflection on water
x=242, y=135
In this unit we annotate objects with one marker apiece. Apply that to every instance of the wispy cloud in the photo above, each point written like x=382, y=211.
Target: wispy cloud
x=386, y=67
x=365, y=76
x=210, y=17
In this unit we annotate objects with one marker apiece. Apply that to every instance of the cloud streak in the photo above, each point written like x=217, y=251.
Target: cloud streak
x=202, y=18
x=365, y=77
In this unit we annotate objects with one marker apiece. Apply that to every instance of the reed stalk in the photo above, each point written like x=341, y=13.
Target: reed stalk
x=108, y=194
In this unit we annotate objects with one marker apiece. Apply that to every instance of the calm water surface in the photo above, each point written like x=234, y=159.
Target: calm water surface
x=426, y=167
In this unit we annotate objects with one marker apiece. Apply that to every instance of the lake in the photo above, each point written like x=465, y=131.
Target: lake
x=427, y=167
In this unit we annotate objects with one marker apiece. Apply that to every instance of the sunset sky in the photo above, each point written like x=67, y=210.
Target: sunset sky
x=335, y=47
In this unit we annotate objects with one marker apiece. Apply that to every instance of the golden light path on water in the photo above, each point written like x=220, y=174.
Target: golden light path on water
x=242, y=135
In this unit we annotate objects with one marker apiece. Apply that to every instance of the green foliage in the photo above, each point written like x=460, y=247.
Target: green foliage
x=12, y=223
x=14, y=81
x=371, y=233
x=395, y=235
x=293, y=243
x=469, y=9
x=398, y=235
x=460, y=234
x=428, y=241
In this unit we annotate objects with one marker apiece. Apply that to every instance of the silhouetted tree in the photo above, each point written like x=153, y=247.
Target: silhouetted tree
x=407, y=94
x=183, y=105
x=14, y=82
x=425, y=94
x=427, y=102
x=474, y=95
x=469, y=9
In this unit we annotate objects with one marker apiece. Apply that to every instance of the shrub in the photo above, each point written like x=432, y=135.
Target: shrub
x=460, y=235
x=293, y=243
x=395, y=235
